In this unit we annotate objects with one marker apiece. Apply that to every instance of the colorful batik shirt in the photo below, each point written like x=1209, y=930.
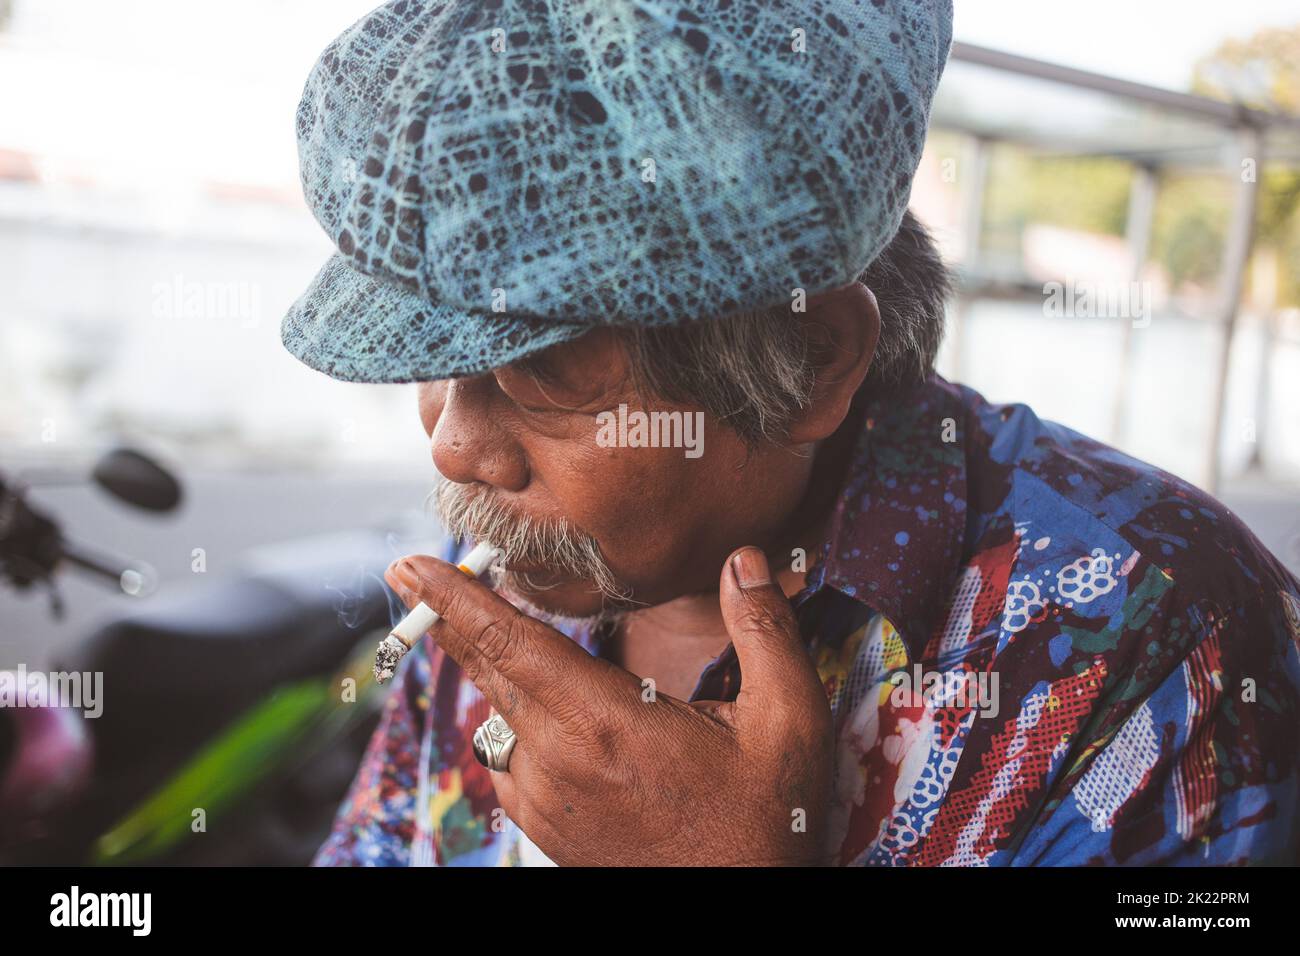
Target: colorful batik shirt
x=1037, y=651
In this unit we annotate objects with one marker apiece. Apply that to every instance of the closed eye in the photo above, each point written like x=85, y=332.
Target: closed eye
x=533, y=410
x=535, y=383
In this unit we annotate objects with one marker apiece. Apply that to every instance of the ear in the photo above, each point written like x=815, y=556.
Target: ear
x=842, y=326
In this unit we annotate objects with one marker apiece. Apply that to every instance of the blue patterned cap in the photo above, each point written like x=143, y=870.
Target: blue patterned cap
x=502, y=175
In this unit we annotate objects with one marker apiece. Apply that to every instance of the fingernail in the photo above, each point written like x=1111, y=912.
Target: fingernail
x=750, y=568
x=404, y=571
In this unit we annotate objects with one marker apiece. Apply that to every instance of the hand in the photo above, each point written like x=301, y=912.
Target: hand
x=601, y=776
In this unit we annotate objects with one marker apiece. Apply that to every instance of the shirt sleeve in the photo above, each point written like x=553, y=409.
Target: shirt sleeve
x=1204, y=770
x=375, y=823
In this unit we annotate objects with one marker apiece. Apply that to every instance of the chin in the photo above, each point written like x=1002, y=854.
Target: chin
x=567, y=598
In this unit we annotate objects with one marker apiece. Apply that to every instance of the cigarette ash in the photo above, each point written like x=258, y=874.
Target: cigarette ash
x=387, y=656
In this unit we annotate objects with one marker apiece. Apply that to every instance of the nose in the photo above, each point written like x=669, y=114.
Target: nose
x=468, y=443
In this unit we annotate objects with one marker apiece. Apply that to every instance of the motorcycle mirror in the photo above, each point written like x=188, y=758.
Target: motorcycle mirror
x=137, y=479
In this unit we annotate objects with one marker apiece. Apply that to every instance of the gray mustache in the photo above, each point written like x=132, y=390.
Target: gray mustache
x=553, y=543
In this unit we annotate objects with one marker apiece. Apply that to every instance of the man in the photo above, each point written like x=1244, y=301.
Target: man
x=674, y=332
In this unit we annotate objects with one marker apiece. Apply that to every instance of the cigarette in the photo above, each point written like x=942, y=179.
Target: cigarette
x=422, y=617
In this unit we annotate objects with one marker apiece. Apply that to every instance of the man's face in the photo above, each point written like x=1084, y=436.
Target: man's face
x=664, y=521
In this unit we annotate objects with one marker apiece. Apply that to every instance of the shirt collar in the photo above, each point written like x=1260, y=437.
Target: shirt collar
x=898, y=530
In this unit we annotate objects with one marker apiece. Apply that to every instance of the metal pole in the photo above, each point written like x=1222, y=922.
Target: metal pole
x=1236, y=253
x=1226, y=114
x=973, y=174
x=1263, y=394
x=1137, y=230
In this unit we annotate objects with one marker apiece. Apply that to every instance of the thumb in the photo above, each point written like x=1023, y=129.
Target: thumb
x=776, y=671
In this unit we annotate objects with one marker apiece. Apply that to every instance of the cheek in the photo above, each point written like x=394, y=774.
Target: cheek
x=646, y=506
x=605, y=491
x=664, y=521
x=592, y=486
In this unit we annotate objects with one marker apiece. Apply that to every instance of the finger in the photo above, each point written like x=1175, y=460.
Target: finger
x=777, y=674
x=533, y=801
x=723, y=711
x=498, y=647
x=516, y=788
x=503, y=696
x=506, y=782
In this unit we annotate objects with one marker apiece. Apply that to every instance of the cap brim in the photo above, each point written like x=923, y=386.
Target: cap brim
x=356, y=328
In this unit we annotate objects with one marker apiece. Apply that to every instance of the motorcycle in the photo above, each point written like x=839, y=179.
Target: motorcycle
x=236, y=712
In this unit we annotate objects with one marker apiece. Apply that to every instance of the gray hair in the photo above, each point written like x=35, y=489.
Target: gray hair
x=753, y=370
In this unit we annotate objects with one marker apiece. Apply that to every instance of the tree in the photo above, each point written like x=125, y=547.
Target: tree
x=1263, y=72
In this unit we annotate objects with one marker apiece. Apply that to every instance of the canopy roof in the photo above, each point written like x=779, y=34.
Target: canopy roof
x=1064, y=111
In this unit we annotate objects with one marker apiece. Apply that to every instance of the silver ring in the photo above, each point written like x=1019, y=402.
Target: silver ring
x=493, y=742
